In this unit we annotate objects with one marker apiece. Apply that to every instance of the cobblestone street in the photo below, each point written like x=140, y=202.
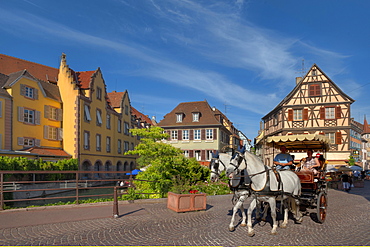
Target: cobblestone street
x=148, y=223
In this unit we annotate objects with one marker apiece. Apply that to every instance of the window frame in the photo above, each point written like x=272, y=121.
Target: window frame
x=197, y=133
x=196, y=116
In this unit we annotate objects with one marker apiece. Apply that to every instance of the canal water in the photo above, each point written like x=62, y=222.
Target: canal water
x=83, y=194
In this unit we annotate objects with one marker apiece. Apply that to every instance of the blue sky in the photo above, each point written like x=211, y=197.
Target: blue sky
x=241, y=56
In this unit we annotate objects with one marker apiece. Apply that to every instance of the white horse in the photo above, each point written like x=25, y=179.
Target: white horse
x=239, y=184
x=267, y=187
x=218, y=165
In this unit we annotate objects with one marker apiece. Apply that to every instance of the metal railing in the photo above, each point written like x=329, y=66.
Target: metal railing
x=17, y=184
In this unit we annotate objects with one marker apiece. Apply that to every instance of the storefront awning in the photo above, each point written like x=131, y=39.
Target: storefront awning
x=300, y=142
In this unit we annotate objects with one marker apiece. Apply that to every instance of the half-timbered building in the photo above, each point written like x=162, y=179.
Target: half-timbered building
x=316, y=105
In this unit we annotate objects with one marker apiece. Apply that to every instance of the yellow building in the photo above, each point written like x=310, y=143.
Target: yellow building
x=71, y=117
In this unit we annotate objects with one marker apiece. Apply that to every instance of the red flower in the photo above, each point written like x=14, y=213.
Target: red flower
x=193, y=191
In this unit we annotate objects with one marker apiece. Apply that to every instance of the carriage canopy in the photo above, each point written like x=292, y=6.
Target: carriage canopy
x=300, y=142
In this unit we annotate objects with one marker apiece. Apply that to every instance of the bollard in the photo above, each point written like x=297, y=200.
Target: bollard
x=115, y=204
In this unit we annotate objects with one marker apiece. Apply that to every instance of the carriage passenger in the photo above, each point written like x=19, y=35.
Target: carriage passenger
x=311, y=163
x=283, y=160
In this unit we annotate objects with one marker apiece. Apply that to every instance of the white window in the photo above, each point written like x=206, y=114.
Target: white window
x=209, y=155
x=30, y=92
x=331, y=137
x=119, y=125
x=29, y=142
x=127, y=128
x=119, y=144
x=209, y=134
x=108, y=121
x=198, y=155
x=99, y=120
x=196, y=117
x=186, y=153
x=179, y=118
x=98, y=142
x=86, y=140
x=174, y=134
x=127, y=146
x=87, y=113
x=330, y=113
x=98, y=93
x=53, y=133
x=297, y=115
x=108, y=144
x=29, y=116
x=196, y=134
x=185, y=134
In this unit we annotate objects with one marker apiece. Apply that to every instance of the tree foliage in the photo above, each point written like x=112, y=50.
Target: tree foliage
x=165, y=164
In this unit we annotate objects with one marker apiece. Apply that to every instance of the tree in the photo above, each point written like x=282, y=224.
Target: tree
x=165, y=164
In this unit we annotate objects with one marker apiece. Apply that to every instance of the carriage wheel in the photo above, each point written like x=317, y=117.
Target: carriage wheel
x=322, y=203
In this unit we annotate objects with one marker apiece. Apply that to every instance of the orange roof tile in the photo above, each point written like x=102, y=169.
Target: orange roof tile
x=84, y=78
x=116, y=98
x=10, y=65
x=48, y=152
x=144, y=118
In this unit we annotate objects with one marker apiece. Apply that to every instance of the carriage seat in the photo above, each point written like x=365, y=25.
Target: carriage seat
x=306, y=176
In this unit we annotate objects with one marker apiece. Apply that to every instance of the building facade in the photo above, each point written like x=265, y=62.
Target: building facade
x=70, y=116
x=316, y=105
x=199, y=130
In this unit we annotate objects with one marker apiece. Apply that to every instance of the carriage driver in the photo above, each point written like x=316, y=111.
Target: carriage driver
x=283, y=160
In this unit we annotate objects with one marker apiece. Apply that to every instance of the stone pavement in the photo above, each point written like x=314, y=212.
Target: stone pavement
x=149, y=222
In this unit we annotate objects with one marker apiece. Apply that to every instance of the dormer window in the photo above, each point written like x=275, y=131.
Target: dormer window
x=179, y=117
x=195, y=116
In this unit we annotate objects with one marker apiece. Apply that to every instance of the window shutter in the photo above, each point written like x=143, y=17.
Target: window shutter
x=338, y=112
x=23, y=89
x=338, y=137
x=191, y=153
x=36, y=94
x=305, y=114
x=46, y=132
x=202, y=134
x=214, y=134
x=191, y=137
x=37, y=142
x=59, y=114
x=60, y=134
x=169, y=135
x=1, y=109
x=20, y=114
x=37, y=117
x=322, y=112
x=20, y=141
x=290, y=115
x=179, y=135
x=46, y=111
x=203, y=155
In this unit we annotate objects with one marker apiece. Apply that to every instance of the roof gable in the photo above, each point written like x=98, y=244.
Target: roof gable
x=207, y=114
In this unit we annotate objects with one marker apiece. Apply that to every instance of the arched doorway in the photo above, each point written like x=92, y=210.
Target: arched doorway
x=98, y=166
x=119, y=167
x=86, y=166
x=108, y=167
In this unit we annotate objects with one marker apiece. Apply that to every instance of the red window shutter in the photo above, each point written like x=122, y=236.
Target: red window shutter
x=191, y=137
x=311, y=90
x=290, y=115
x=338, y=138
x=169, y=135
x=305, y=114
x=322, y=113
x=338, y=112
x=179, y=137
x=214, y=134
x=202, y=134
x=191, y=153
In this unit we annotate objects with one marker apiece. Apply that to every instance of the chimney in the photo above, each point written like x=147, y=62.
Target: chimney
x=297, y=80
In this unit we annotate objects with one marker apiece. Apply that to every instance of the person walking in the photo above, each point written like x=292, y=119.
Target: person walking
x=345, y=180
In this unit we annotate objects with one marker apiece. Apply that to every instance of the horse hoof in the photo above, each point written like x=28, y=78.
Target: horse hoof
x=243, y=224
x=283, y=226
x=251, y=234
x=273, y=233
x=231, y=229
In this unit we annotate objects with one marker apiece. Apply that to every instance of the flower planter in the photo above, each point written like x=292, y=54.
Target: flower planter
x=186, y=202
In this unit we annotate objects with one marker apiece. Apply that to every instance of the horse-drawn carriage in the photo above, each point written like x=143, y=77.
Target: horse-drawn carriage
x=296, y=190
x=313, y=186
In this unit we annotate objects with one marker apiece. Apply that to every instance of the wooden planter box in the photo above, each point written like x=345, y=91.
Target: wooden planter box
x=186, y=202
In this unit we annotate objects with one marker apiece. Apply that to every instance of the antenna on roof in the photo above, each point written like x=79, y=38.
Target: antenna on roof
x=303, y=69
x=226, y=107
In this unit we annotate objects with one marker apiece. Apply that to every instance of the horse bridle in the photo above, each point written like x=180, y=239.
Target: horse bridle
x=240, y=159
x=222, y=163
